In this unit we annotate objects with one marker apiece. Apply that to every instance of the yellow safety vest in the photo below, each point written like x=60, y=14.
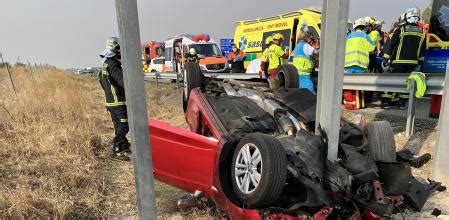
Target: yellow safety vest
x=303, y=63
x=358, y=46
x=274, y=57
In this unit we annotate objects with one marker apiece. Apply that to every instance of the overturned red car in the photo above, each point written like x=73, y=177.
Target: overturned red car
x=253, y=150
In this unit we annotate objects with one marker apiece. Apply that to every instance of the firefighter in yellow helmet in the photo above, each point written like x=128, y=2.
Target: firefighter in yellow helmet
x=405, y=50
x=264, y=70
x=275, y=55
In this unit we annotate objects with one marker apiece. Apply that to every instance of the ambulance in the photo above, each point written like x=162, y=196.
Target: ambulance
x=250, y=35
x=210, y=56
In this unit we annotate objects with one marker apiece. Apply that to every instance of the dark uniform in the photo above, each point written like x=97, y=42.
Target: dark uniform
x=111, y=80
x=191, y=58
x=405, y=51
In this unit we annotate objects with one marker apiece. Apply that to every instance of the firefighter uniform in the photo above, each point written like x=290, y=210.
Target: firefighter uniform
x=191, y=58
x=405, y=52
x=111, y=80
x=274, y=58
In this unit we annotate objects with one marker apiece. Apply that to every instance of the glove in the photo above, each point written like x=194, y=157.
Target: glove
x=233, y=60
x=262, y=75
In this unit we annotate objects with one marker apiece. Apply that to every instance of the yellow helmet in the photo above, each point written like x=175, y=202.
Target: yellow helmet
x=278, y=36
x=268, y=40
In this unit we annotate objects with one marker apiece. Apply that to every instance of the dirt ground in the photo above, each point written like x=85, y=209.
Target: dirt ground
x=55, y=140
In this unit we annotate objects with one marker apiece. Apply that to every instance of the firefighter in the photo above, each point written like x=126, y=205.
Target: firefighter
x=191, y=56
x=405, y=51
x=111, y=80
x=275, y=55
x=264, y=69
x=302, y=60
x=236, y=58
x=358, y=46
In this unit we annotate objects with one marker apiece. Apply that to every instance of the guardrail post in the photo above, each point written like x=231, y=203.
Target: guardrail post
x=440, y=171
x=128, y=25
x=410, y=126
x=334, y=22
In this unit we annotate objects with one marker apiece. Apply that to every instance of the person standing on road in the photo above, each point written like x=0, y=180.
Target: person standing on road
x=237, y=58
x=275, y=56
x=191, y=56
x=405, y=50
x=111, y=80
x=302, y=60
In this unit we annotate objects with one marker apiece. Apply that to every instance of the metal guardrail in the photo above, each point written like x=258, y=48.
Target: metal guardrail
x=391, y=82
x=388, y=82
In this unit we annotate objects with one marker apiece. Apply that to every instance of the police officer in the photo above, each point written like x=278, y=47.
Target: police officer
x=191, y=56
x=302, y=60
x=111, y=80
x=275, y=55
x=405, y=50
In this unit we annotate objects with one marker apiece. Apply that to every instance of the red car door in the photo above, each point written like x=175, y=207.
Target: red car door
x=182, y=158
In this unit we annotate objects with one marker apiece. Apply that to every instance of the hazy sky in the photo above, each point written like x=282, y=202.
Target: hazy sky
x=69, y=33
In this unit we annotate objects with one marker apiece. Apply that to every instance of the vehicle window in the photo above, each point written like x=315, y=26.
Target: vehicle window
x=168, y=53
x=207, y=50
x=159, y=61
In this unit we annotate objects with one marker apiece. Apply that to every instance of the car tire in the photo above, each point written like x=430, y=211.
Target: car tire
x=378, y=136
x=287, y=76
x=192, y=78
x=265, y=175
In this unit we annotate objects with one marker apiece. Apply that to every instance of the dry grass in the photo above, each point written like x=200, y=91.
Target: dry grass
x=54, y=149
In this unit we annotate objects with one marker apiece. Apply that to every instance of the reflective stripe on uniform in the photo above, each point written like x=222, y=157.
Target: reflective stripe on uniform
x=405, y=62
x=356, y=62
x=123, y=120
x=113, y=104
x=357, y=52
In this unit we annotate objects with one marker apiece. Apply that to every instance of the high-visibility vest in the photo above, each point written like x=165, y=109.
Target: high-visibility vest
x=274, y=57
x=301, y=61
x=420, y=79
x=358, y=46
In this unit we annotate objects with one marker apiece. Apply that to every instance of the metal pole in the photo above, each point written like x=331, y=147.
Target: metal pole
x=410, y=126
x=321, y=65
x=331, y=85
x=177, y=82
x=128, y=25
x=440, y=166
x=9, y=74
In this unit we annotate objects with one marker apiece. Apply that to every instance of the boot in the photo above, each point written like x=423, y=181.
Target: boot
x=414, y=160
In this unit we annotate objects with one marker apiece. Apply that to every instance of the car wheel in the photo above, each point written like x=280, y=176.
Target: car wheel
x=259, y=170
x=288, y=76
x=192, y=78
x=379, y=139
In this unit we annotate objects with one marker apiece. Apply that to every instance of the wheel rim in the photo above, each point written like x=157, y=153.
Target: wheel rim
x=185, y=85
x=248, y=168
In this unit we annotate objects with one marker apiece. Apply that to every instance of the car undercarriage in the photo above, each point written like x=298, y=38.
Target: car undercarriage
x=273, y=160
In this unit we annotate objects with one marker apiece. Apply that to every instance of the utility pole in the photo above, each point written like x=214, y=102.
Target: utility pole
x=128, y=25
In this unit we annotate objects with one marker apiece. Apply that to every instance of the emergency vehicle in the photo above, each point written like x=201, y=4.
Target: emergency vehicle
x=210, y=57
x=250, y=35
x=150, y=51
